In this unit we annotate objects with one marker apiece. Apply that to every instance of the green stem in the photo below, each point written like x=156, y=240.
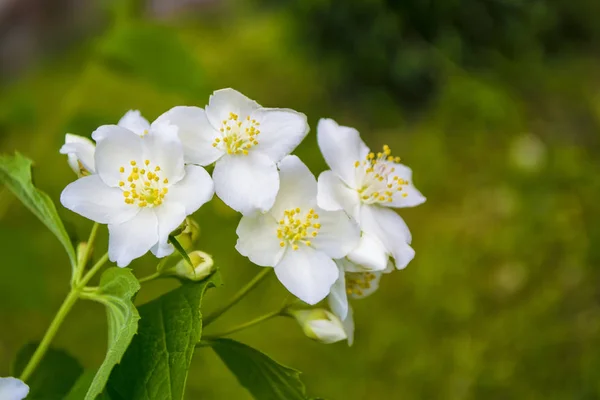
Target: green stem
x=86, y=255
x=60, y=316
x=149, y=278
x=245, y=325
x=90, y=274
x=50, y=333
x=237, y=297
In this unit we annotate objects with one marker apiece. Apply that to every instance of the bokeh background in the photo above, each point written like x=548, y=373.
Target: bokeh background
x=495, y=104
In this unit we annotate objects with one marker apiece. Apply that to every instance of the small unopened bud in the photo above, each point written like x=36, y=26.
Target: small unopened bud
x=203, y=266
x=320, y=325
x=187, y=233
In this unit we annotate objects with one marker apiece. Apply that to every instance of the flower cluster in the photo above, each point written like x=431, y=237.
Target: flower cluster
x=332, y=237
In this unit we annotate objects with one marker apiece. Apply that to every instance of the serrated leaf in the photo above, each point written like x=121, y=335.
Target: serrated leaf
x=117, y=288
x=15, y=173
x=157, y=361
x=54, y=376
x=264, y=378
x=153, y=53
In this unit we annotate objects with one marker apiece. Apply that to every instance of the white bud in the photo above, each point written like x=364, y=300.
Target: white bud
x=80, y=152
x=320, y=325
x=203, y=266
x=13, y=389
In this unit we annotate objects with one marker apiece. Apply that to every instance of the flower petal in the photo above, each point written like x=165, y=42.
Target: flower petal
x=246, y=183
x=370, y=254
x=307, y=273
x=409, y=196
x=334, y=194
x=163, y=148
x=115, y=147
x=169, y=216
x=90, y=197
x=281, y=131
x=341, y=147
x=132, y=239
x=225, y=101
x=79, y=150
x=134, y=121
x=338, y=298
x=13, y=389
x=257, y=240
x=195, y=132
x=297, y=186
x=391, y=230
x=338, y=234
x=349, y=326
x=194, y=190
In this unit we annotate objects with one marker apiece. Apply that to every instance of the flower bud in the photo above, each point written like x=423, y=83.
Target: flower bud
x=187, y=233
x=13, y=389
x=80, y=152
x=203, y=266
x=320, y=325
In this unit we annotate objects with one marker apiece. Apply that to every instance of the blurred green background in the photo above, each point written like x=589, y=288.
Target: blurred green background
x=494, y=104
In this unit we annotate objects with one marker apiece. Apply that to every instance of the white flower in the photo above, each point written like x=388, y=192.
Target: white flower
x=298, y=238
x=320, y=325
x=365, y=185
x=80, y=150
x=246, y=141
x=13, y=389
x=141, y=190
x=352, y=282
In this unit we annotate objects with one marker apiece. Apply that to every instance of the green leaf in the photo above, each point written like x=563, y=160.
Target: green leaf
x=156, y=54
x=54, y=375
x=157, y=362
x=264, y=378
x=15, y=173
x=116, y=290
x=79, y=390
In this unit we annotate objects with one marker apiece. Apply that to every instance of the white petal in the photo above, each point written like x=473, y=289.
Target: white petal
x=413, y=196
x=281, y=131
x=169, y=216
x=225, y=101
x=115, y=147
x=90, y=197
x=391, y=230
x=370, y=254
x=246, y=183
x=349, y=326
x=13, y=389
x=134, y=121
x=132, y=239
x=338, y=298
x=163, y=148
x=334, y=195
x=338, y=234
x=257, y=240
x=194, y=190
x=341, y=147
x=297, y=186
x=328, y=331
x=307, y=273
x=195, y=132
x=79, y=150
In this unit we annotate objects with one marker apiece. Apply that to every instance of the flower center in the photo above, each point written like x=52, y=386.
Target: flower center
x=378, y=181
x=295, y=228
x=237, y=137
x=358, y=282
x=143, y=186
